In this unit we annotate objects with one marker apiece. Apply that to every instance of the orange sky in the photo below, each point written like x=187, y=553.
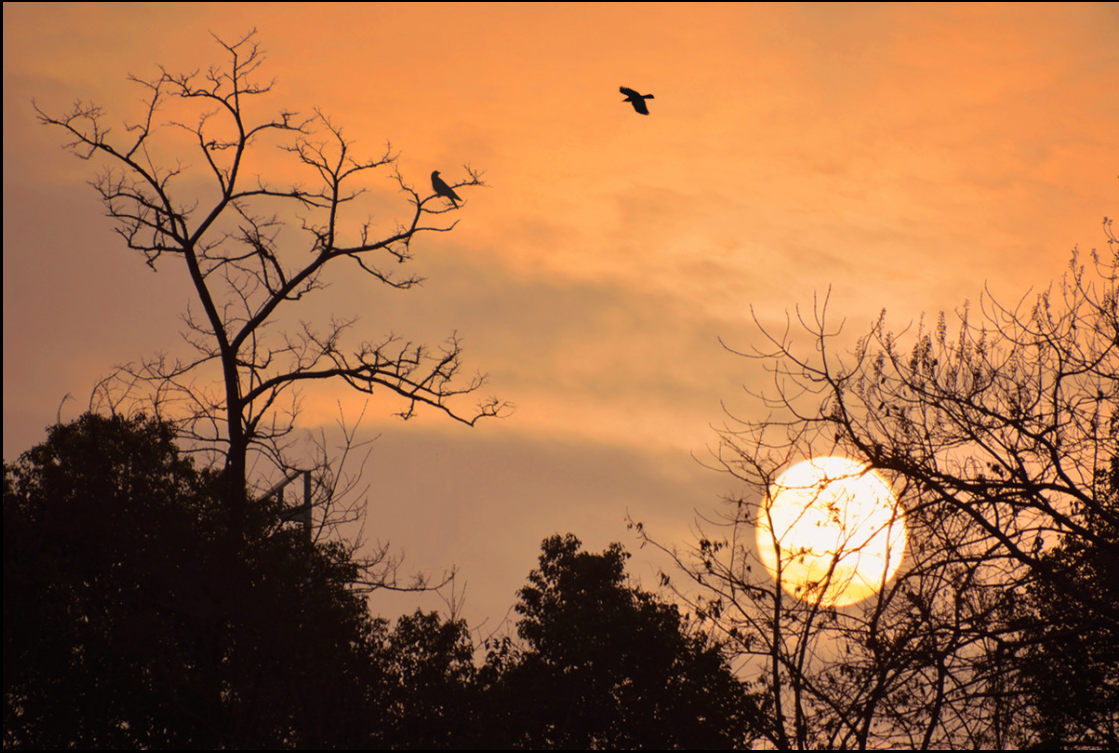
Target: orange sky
x=902, y=155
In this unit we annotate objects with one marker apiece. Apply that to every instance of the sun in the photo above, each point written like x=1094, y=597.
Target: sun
x=839, y=529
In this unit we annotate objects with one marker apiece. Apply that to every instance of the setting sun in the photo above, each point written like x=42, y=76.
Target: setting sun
x=839, y=530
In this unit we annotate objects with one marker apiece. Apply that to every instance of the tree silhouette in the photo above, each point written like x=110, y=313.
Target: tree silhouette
x=254, y=249
x=123, y=629
x=430, y=690
x=1068, y=653
x=606, y=665
x=995, y=439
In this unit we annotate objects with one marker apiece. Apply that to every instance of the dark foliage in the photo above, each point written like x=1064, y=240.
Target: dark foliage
x=609, y=666
x=1070, y=651
x=133, y=620
x=430, y=692
x=129, y=623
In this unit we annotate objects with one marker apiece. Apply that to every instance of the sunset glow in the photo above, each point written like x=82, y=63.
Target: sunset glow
x=898, y=157
x=831, y=532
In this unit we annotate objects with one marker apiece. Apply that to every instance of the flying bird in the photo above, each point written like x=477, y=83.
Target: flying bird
x=637, y=100
x=442, y=189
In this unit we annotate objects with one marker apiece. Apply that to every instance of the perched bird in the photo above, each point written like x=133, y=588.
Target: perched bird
x=637, y=100
x=442, y=189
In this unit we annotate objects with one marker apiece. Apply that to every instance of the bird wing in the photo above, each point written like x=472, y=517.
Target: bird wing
x=637, y=100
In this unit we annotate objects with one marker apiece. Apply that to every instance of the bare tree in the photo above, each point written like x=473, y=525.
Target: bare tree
x=253, y=250
x=997, y=439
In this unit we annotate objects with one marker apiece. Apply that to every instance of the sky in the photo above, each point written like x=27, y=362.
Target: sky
x=890, y=157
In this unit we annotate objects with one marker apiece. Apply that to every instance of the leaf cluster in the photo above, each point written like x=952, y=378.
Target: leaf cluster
x=130, y=619
x=607, y=665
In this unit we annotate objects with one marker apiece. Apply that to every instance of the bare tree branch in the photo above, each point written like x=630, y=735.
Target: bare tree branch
x=997, y=437
x=253, y=249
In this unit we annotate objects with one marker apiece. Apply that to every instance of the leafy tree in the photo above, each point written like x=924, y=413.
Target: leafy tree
x=994, y=436
x=254, y=249
x=431, y=689
x=1069, y=652
x=123, y=629
x=606, y=665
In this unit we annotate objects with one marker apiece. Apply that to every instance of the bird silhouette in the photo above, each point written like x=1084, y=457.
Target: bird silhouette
x=637, y=100
x=442, y=189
